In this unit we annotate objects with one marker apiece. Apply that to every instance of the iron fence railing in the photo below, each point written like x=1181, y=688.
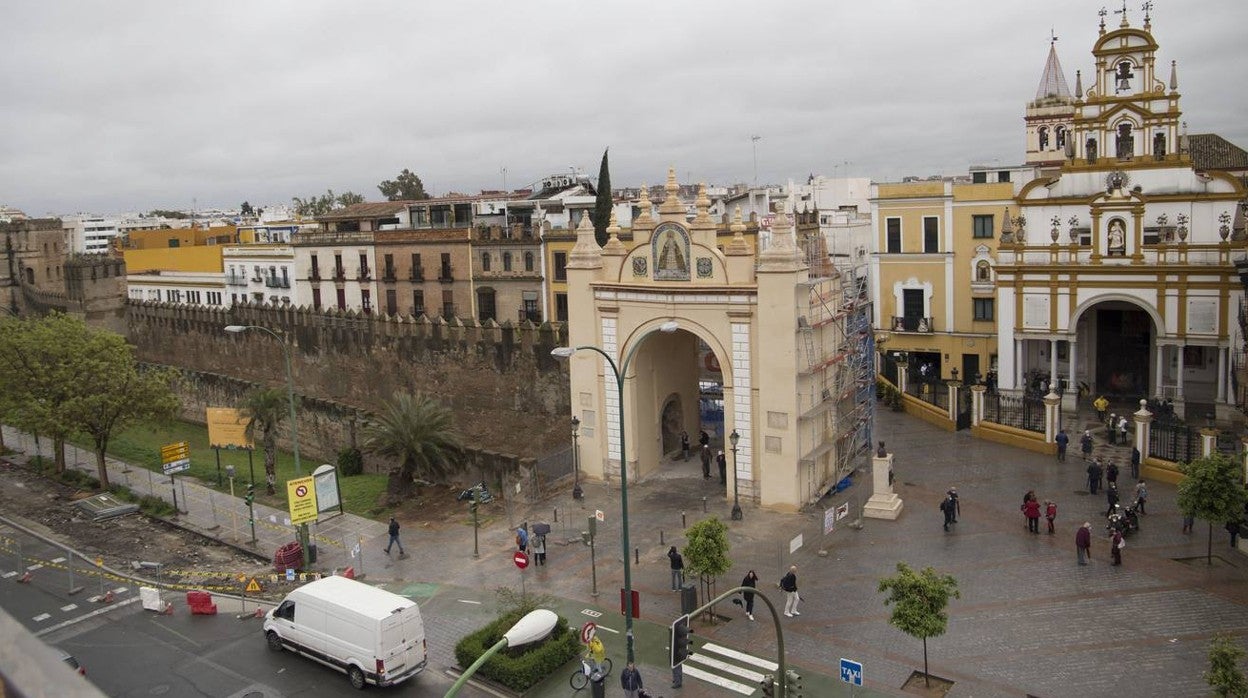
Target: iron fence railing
x=1021, y=412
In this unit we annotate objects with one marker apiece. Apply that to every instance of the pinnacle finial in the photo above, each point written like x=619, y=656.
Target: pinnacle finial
x=1174, y=76
x=643, y=203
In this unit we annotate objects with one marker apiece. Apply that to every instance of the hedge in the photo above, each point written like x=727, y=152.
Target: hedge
x=518, y=668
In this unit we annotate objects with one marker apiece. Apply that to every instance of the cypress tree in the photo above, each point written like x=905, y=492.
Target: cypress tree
x=602, y=205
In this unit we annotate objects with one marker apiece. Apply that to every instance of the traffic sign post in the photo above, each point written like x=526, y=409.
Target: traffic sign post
x=175, y=458
x=522, y=561
x=587, y=632
x=851, y=673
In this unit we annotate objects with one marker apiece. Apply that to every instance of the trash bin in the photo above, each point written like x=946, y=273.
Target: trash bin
x=597, y=685
x=688, y=598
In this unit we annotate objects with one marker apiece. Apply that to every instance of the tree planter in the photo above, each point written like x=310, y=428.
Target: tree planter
x=932, y=686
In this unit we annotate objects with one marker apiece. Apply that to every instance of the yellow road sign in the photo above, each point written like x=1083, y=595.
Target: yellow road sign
x=253, y=585
x=301, y=497
x=175, y=451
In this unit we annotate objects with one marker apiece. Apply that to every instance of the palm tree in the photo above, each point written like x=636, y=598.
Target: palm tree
x=418, y=432
x=265, y=409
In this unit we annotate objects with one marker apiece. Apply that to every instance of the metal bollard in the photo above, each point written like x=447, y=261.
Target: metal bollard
x=661, y=537
x=636, y=556
x=556, y=514
x=683, y=524
x=704, y=505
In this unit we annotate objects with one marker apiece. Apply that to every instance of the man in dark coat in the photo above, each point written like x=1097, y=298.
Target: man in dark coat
x=1111, y=474
x=706, y=462
x=1135, y=463
x=1111, y=495
x=946, y=508
x=1083, y=543
x=722, y=462
x=1085, y=445
x=1094, y=477
x=1062, y=442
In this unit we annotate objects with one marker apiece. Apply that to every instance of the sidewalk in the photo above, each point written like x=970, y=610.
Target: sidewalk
x=1030, y=621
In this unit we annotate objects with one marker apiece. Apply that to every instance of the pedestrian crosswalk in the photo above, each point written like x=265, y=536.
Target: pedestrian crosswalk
x=728, y=668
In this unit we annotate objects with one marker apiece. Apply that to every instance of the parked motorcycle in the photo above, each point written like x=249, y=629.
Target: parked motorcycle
x=1125, y=520
x=484, y=497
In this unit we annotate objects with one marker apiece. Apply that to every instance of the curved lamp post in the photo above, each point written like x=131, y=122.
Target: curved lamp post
x=294, y=423
x=733, y=438
x=534, y=626
x=620, y=373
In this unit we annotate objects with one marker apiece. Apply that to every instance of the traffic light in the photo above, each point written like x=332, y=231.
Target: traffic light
x=792, y=684
x=680, y=642
x=251, y=494
x=768, y=685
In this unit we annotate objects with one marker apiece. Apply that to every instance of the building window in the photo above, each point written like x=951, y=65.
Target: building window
x=528, y=261
x=981, y=226
x=561, y=266
x=530, y=310
x=1003, y=176
x=979, y=178
x=366, y=301
x=983, y=309
x=418, y=303
x=448, y=304
x=485, y=261
x=561, y=307
x=392, y=302
x=446, y=267
x=316, y=299
x=506, y=261
x=931, y=234
x=485, y=305
x=418, y=273
x=893, y=235
x=342, y=299
x=983, y=271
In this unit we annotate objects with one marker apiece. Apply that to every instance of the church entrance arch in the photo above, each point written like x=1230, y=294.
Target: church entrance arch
x=1123, y=337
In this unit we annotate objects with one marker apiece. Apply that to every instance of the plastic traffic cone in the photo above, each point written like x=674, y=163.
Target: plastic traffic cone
x=168, y=609
x=25, y=578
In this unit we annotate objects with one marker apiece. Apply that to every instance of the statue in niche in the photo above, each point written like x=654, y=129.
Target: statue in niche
x=1117, y=237
x=1044, y=138
x=1060, y=133
x=1091, y=148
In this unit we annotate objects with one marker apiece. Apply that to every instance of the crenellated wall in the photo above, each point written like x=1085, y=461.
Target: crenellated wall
x=508, y=394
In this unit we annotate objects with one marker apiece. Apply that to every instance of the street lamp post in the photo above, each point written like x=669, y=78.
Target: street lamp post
x=577, y=492
x=294, y=423
x=620, y=373
x=733, y=438
x=534, y=626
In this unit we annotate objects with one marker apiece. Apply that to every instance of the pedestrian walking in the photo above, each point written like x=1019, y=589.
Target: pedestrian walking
x=1100, y=404
x=1116, y=544
x=1111, y=474
x=957, y=504
x=1062, y=441
x=678, y=568
x=1094, y=477
x=394, y=537
x=1083, y=543
x=722, y=463
x=522, y=539
x=1050, y=513
x=630, y=680
x=684, y=443
x=751, y=581
x=706, y=462
x=1135, y=463
x=704, y=439
x=1141, y=496
x=1122, y=430
x=1111, y=496
x=946, y=508
x=539, y=549
x=1085, y=445
x=1031, y=509
x=1111, y=428
x=1188, y=522
x=788, y=584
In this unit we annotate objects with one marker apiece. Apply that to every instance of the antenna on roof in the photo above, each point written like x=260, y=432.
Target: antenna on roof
x=754, y=142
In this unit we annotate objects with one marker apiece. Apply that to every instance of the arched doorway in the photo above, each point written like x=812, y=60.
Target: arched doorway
x=1119, y=338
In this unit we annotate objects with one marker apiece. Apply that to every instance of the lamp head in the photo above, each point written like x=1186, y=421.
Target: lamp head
x=534, y=626
x=235, y=328
x=576, y=425
x=562, y=352
x=733, y=438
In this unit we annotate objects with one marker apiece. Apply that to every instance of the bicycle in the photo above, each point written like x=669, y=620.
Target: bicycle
x=580, y=677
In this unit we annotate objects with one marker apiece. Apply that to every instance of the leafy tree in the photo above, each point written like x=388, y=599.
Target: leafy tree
x=163, y=213
x=117, y=394
x=417, y=431
x=602, y=204
x=265, y=409
x=406, y=187
x=919, y=600
x=1212, y=490
x=1225, y=675
x=320, y=205
x=706, y=552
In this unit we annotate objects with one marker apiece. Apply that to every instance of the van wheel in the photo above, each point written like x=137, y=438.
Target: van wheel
x=275, y=642
x=357, y=677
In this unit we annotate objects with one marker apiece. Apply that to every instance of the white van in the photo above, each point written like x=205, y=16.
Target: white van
x=370, y=634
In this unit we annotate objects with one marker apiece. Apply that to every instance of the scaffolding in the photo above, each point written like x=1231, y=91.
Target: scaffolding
x=836, y=400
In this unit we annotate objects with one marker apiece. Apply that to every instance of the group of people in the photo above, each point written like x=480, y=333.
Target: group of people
x=1083, y=544
x=706, y=454
x=1032, y=509
x=536, y=541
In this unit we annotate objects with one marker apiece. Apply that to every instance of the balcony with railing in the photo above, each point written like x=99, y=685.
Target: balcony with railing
x=364, y=273
x=416, y=274
x=314, y=275
x=340, y=274
x=913, y=324
x=388, y=276
x=276, y=282
x=444, y=274
x=235, y=279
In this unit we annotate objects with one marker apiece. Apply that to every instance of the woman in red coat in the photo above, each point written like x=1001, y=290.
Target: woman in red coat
x=1031, y=509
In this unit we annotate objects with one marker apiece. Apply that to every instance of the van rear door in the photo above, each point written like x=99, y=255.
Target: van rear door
x=402, y=644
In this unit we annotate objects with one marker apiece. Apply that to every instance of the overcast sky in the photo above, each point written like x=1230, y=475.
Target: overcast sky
x=129, y=106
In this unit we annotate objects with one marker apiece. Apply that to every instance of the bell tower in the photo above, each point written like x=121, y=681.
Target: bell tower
x=1049, y=115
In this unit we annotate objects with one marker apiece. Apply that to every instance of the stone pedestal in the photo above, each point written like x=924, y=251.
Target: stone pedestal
x=883, y=504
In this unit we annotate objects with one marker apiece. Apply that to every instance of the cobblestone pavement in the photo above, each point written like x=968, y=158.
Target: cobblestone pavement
x=1029, y=622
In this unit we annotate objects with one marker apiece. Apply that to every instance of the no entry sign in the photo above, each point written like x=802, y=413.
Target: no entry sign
x=520, y=559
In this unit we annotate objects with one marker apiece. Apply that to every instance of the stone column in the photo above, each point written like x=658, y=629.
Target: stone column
x=1178, y=380
x=951, y=410
x=1208, y=441
x=883, y=504
x=1052, y=361
x=1052, y=415
x=1159, y=371
x=1222, y=375
x=1018, y=363
x=977, y=412
x=1143, y=426
x=1072, y=385
x=902, y=370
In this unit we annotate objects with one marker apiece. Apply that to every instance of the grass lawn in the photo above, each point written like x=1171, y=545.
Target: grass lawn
x=140, y=446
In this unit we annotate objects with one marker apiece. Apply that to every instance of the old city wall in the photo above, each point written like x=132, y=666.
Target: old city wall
x=509, y=396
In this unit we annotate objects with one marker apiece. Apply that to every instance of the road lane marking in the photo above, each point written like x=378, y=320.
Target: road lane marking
x=9, y=574
x=58, y=560
x=740, y=656
x=70, y=607
x=79, y=619
x=41, y=617
x=747, y=674
x=718, y=680
x=603, y=627
x=34, y=567
x=474, y=603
